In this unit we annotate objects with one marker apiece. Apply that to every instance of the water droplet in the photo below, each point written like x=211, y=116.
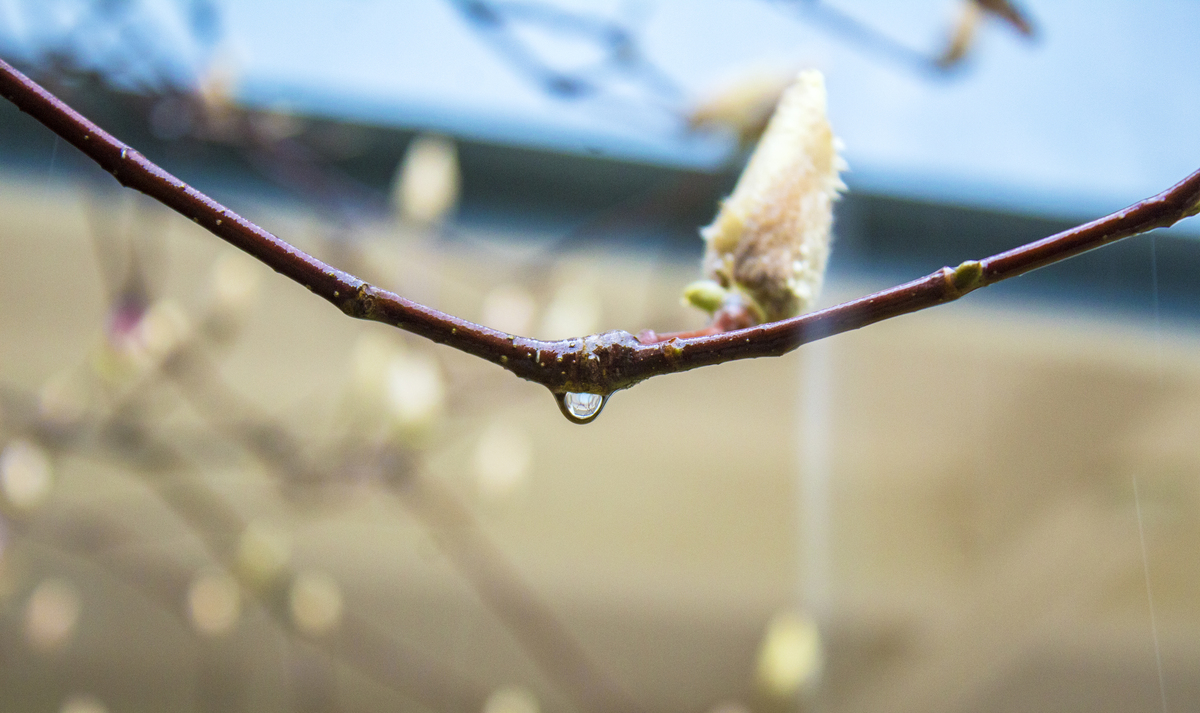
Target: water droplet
x=581, y=408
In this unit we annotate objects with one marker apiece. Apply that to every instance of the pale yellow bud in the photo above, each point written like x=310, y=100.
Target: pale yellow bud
x=575, y=310
x=503, y=458
x=770, y=240
x=427, y=183
x=509, y=308
x=414, y=390
x=790, y=659
x=962, y=37
x=316, y=603
x=26, y=475
x=236, y=280
x=743, y=107
x=51, y=614
x=216, y=90
x=163, y=330
x=214, y=603
x=263, y=553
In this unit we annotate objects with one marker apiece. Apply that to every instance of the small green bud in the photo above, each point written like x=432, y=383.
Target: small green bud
x=1194, y=210
x=704, y=294
x=968, y=275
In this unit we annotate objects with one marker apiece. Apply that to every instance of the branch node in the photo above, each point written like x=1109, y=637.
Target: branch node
x=359, y=306
x=966, y=277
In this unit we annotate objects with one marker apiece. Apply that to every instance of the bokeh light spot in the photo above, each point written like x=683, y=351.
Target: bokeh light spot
x=502, y=459
x=52, y=614
x=25, y=474
x=214, y=603
x=790, y=658
x=316, y=603
x=511, y=699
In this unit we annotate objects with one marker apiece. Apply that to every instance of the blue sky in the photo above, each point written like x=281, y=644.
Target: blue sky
x=1100, y=112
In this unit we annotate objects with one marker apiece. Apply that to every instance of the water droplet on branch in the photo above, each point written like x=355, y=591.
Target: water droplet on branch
x=581, y=407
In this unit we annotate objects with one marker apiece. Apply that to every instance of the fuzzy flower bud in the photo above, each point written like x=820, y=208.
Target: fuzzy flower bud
x=770, y=240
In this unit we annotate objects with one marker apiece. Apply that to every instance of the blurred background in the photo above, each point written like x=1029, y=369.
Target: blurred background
x=219, y=494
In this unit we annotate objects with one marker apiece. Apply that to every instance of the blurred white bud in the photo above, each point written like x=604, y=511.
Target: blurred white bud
x=216, y=86
x=62, y=400
x=427, y=181
x=962, y=37
x=216, y=90
x=369, y=364
x=80, y=703
x=790, y=659
x=744, y=106
x=414, y=389
x=51, y=614
x=164, y=328
x=263, y=552
x=316, y=603
x=511, y=699
x=26, y=476
x=502, y=459
x=214, y=603
x=394, y=390
x=149, y=339
x=509, y=308
x=573, y=312
x=236, y=278
x=279, y=123
x=770, y=240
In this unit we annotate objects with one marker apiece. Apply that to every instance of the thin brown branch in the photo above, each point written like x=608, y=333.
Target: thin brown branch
x=600, y=363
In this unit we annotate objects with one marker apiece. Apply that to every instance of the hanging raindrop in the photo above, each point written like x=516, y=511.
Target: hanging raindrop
x=580, y=407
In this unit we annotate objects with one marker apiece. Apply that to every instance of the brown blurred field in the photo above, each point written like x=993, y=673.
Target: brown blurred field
x=968, y=541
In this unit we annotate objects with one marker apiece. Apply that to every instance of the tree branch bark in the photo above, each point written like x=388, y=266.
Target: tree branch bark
x=601, y=363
